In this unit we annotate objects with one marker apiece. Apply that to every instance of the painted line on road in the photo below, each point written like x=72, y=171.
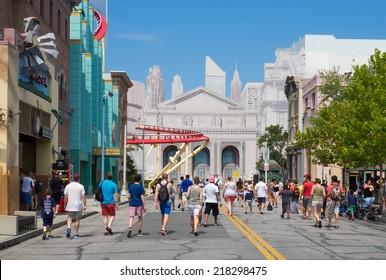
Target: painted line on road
x=263, y=246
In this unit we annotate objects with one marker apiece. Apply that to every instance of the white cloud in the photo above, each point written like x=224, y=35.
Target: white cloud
x=135, y=37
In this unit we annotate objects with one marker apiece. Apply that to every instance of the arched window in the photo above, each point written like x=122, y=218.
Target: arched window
x=230, y=155
x=202, y=157
x=170, y=151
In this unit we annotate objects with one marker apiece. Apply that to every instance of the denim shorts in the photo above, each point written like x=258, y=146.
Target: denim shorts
x=165, y=207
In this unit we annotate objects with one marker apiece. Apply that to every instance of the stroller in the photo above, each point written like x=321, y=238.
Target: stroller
x=344, y=209
x=366, y=210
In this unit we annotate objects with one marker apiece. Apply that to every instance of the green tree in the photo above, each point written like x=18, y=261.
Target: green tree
x=131, y=169
x=348, y=128
x=276, y=140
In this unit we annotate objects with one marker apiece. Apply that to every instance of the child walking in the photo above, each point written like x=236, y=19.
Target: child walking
x=248, y=198
x=48, y=214
x=286, y=196
x=352, y=202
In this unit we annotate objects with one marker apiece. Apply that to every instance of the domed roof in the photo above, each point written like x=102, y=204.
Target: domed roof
x=273, y=165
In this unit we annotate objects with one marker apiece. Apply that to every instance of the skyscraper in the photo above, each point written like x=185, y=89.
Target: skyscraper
x=251, y=97
x=236, y=87
x=155, y=91
x=177, y=86
x=215, y=77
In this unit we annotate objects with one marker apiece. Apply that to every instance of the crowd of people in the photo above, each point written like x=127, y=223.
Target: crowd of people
x=312, y=200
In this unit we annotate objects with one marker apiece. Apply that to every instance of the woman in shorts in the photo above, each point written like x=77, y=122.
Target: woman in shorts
x=230, y=195
x=194, y=196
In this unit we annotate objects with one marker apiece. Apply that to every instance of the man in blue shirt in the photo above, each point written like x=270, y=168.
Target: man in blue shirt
x=137, y=204
x=185, y=184
x=110, y=202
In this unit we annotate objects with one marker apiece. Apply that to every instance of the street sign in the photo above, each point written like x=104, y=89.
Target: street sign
x=57, y=116
x=266, y=166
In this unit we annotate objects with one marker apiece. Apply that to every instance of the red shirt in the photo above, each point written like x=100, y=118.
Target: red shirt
x=307, y=188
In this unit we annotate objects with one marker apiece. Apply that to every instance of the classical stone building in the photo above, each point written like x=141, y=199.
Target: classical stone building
x=232, y=131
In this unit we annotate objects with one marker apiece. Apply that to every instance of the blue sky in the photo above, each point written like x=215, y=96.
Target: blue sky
x=177, y=34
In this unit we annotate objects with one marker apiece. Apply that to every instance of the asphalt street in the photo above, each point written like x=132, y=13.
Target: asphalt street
x=242, y=237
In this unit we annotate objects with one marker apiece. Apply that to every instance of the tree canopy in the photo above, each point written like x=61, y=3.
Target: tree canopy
x=276, y=140
x=348, y=127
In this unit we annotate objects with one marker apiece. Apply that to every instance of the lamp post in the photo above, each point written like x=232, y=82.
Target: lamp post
x=124, y=192
x=143, y=156
x=266, y=161
x=104, y=97
x=302, y=150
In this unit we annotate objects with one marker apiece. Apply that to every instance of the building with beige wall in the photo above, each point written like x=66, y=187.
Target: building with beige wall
x=28, y=130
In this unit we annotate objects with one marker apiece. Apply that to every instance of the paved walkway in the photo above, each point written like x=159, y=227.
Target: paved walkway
x=93, y=207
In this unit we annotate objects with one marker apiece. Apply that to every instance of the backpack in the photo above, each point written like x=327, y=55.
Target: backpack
x=99, y=193
x=335, y=192
x=163, y=193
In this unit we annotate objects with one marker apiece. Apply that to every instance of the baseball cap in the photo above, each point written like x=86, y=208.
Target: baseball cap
x=76, y=176
x=211, y=179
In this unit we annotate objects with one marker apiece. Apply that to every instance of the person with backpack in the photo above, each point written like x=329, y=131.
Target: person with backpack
x=162, y=201
x=334, y=195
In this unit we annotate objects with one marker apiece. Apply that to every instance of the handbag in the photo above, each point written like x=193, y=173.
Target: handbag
x=269, y=207
x=99, y=193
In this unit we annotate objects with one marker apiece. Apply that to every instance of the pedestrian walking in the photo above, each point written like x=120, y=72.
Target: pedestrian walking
x=172, y=192
x=286, y=196
x=306, y=197
x=162, y=201
x=240, y=192
x=261, y=194
x=334, y=195
x=194, y=196
x=248, y=198
x=185, y=184
x=137, y=206
x=352, y=203
x=295, y=195
x=27, y=192
x=212, y=200
x=318, y=195
x=230, y=194
x=48, y=214
x=56, y=184
x=74, y=204
x=37, y=189
x=109, y=203
x=179, y=190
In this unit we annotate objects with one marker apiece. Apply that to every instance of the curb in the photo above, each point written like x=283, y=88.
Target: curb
x=36, y=232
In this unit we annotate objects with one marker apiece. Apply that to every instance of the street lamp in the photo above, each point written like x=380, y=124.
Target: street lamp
x=302, y=150
x=104, y=97
x=266, y=160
